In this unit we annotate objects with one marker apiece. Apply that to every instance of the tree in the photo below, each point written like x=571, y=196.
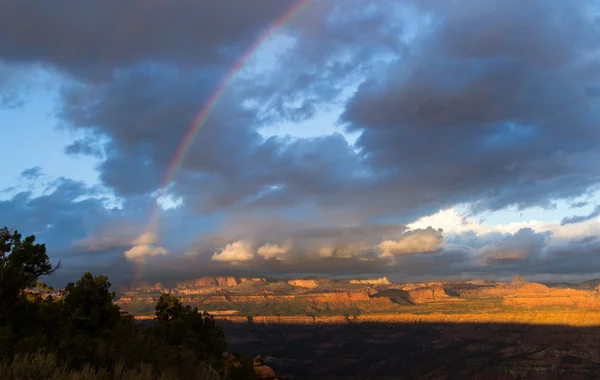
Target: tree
x=22, y=263
x=168, y=308
x=90, y=303
x=185, y=326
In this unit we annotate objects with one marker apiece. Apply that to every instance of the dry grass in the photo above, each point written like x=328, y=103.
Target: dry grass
x=47, y=367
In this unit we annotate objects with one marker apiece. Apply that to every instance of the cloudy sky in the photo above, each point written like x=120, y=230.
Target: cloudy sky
x=412, y=139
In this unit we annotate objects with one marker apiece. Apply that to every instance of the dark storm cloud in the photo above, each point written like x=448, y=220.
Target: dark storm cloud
x=489, y=106
x=113, y=33
x=334, y=44
x=581, y=218
x=524, y=245
x=144, y=115
x=585, y=240
x=142, y=112
x=488, y=103
x=570, y=258
x=359, y=232
x=14, y=83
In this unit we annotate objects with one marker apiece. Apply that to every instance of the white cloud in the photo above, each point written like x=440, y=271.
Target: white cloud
x=146, y=245
x=270, y=251
x=422, y=240
x=343, y=251
x=237, y=251
x=453, y=223
x=147, y=238
x=326, y=251
x=145, y=250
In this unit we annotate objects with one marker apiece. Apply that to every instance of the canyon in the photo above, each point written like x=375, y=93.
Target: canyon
x=324, y=300
x=320, y=328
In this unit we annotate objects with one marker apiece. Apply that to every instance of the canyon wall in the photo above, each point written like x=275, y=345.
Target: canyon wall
x=522, y=317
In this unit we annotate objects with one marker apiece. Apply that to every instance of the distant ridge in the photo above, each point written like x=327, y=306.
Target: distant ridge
x=375, y=281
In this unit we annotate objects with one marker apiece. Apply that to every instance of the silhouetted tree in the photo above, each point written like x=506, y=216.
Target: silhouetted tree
x=22, y=262
x=90, y=303
x=182, y=325
x=168, y=308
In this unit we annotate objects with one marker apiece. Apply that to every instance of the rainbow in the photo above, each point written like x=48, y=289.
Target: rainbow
x=206, y=110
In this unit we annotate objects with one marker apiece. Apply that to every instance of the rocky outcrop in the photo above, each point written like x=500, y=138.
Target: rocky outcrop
x=256, y=279
x=157, y=287
x=428, y=294
x=375, y=281
x=518, y=280
x=261, y=371
x=418, y=285
x=231, y=363
x=534, y=295
x=532, y=290
x=209, y=282
x=124, y=300
x=310, y=284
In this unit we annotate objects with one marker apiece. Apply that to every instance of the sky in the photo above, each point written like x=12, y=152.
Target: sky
x=152, y=141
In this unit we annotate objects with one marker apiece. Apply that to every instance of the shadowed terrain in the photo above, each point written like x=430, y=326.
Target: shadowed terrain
x=422, y=350
x=319, y=328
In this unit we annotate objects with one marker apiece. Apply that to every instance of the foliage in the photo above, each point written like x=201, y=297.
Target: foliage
x=90, y=303
x=22, y=262
x=185, y=326
x=82, y=334
x=168, y=308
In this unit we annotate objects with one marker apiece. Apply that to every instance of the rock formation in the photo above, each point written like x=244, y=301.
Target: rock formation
x=310, y=284
x=376, y=281
x=261, y=371
x=209, y=282
x=428, y=294
x=257, y=279
x=518, y=280
x=322, y=300
x=532, y=290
